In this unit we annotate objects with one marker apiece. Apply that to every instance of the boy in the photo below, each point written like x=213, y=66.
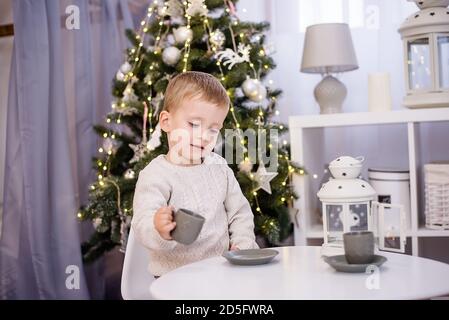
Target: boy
x=193, y=177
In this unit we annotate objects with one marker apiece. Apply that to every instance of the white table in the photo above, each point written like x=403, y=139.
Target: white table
x=300, y=273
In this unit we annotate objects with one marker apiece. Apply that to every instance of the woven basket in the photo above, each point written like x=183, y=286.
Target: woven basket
x=436, y=189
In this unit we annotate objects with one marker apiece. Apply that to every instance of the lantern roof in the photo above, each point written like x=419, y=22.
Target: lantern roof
x=346, y=161
x=345, y=167
x=423, y=4
x=429, y=20
x=346, y=190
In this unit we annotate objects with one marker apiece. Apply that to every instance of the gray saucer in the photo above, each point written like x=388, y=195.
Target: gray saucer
x=250, y=257
x=339, y=263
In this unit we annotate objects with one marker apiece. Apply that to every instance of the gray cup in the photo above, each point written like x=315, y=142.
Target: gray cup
x=359, y=247
x=188, y=226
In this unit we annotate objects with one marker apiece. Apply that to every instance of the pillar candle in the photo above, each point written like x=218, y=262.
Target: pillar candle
x=379, y=93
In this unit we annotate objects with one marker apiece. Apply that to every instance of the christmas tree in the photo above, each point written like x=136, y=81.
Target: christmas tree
x=177, y=36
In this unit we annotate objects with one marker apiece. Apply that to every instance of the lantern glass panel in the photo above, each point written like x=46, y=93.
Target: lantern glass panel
x=419, y=76
x=358, y=217
x=392, y=228
x=443, y=60
x=334, y=216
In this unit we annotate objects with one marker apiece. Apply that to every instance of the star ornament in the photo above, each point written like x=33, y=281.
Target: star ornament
x=139, y=151
x=264, y=178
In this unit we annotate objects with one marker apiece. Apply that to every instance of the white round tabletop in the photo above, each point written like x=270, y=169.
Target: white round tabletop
x=299, y=272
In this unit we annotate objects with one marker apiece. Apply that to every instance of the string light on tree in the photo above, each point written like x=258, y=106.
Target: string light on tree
x=171, y=55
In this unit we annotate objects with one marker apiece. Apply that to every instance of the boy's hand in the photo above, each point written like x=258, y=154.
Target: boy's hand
x=234, y=247
x=163, y=222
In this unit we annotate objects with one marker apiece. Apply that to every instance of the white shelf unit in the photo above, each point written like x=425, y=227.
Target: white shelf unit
x=404, y=138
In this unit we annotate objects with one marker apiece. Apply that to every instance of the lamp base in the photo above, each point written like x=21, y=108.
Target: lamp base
x=330, y=94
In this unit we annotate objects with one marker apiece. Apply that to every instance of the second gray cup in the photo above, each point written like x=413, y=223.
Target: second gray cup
x=359, y=247
x=188, y=226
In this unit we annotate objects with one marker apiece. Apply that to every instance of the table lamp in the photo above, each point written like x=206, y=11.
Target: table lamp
x=328, y=49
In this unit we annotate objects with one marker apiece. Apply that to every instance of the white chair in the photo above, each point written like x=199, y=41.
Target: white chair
x=136, y=279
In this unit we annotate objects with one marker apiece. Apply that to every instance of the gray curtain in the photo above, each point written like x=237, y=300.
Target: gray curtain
x=60, y=85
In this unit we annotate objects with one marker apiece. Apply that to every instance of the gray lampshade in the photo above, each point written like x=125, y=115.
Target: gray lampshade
x=328, y=48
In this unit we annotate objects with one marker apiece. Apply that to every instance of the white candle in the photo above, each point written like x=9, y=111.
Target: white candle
x=379, y=93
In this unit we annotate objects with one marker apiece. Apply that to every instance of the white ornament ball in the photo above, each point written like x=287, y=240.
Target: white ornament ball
x=129, y=174
x=246, y=166
x=261, y=93
x=254, y=90
x=162, y=10
x=182, y=34
x=108, y=144
x=125, y=68
x=217, y=38
x=120, y=76
x=171, y=55
x=239, y=92
x=250, y=87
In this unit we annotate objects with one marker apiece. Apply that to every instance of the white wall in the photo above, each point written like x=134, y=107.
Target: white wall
x=377, y=43
x=6, y=44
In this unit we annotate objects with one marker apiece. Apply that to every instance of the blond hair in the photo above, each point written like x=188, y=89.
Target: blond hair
x=194, y=84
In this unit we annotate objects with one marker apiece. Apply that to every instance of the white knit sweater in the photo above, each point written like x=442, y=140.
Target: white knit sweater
x=209, y=189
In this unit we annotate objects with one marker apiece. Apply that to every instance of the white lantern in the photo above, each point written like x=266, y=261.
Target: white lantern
x=348, y=205
x=425, y=37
